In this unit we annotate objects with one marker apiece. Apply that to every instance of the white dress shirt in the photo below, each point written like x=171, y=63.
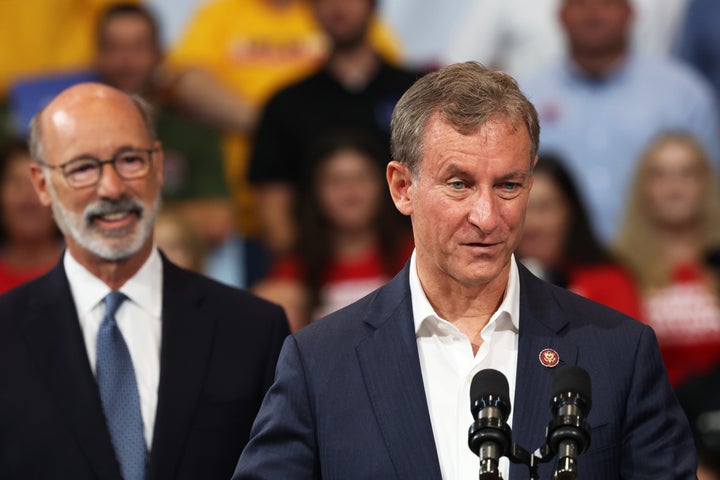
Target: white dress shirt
x=138, y=318
x=448, y=366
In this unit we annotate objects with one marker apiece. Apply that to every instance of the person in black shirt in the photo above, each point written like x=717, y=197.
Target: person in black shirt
x=355, y=90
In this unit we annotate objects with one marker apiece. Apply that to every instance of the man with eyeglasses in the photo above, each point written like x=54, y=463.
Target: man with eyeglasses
x=118, y=364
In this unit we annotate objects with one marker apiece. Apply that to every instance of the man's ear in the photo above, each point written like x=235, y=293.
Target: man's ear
x=400, y=182
x=39, y=182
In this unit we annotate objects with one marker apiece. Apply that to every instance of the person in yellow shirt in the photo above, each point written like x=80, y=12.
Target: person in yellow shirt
x=255, y=47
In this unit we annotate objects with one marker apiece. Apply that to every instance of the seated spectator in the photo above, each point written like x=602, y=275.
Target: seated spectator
x=255, y=48
x=129, y=57
x=351, y=240
x=602, y=103
x=521, y=37
x=559, y=246
x=30, y=244
x=355, y=89
x=672, y=221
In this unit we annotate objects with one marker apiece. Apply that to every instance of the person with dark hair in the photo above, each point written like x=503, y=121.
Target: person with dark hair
x=118, y=363
x=381, y=389
x=356, y=88
x=130, y=58
x=350, y=238
x=30, y=243
x=558, y=243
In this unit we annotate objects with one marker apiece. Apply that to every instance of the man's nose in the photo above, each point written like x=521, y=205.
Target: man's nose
x=110, y=184
x=483, y=212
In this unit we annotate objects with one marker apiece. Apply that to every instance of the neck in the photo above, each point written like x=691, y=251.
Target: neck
x=598, y=64
x=113, y=273
x=354, y=67
x=468, y=307
x=32, y=253
x=682, y=244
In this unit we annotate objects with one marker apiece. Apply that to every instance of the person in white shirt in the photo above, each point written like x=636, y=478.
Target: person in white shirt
x=121, y=364
x=381, y=388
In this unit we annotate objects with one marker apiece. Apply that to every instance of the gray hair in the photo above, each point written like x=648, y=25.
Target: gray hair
x=466, y=96
x=147, y=112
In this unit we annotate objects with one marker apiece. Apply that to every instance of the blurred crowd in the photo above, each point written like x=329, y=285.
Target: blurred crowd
x=275, y=114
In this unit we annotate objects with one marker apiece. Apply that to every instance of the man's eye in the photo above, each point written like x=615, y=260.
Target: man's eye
x=80, y=168
x=131, y=159
x=510, y=186
x=457, y=185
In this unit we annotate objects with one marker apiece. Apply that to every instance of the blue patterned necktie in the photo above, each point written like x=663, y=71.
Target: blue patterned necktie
x=119, y=393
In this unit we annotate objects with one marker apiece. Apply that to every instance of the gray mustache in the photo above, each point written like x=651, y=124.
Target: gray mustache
x=106, y=207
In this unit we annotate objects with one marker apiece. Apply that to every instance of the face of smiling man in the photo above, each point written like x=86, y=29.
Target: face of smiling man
x=467, y=201
x=113, y=219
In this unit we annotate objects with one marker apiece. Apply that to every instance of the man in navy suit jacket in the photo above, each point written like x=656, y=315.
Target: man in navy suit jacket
x=380, y=388
x=202, y=354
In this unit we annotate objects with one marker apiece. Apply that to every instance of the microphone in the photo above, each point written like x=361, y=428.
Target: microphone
x=489, y=434
x=568, y=434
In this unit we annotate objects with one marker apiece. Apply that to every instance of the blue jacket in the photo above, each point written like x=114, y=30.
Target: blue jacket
x=348, y=400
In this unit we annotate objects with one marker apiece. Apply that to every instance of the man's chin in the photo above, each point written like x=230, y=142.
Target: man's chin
x=120, y=234
x=480, y=273
x=113, y=248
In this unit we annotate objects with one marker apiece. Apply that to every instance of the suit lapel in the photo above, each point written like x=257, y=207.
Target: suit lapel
x=541, y=322
x=391, y=370
x=54, y=337
x=187, y=334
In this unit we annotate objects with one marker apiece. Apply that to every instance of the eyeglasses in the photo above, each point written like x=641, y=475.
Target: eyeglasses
x=86, y=171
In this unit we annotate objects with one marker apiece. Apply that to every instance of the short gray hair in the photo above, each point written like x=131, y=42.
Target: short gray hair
x=466, y=96
x=147, y=112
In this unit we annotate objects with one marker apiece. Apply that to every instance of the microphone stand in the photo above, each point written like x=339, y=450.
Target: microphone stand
x=521, y=456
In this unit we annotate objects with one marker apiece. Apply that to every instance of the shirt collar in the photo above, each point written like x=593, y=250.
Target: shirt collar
x=142, y=288
x=509, y=307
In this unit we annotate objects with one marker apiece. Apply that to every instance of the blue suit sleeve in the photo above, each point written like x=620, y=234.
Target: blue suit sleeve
x=657, y=443
x=282, y=442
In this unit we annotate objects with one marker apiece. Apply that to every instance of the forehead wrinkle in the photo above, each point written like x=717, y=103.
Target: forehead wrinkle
x=453, y=169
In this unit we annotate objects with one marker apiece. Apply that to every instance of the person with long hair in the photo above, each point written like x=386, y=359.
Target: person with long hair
x=559, y=245
x=672, y=225
x=351, y=240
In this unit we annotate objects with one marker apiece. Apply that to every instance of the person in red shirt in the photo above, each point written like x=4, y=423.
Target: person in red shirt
x=672, y=223
x=30, y=243
x=351, y=240
x=558, y=243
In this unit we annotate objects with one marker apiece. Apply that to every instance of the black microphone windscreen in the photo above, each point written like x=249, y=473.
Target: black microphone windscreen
x=489, y=382
x=573, y=379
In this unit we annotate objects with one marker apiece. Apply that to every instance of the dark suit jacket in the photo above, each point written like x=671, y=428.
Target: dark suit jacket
x=348, y=400
x=219, y=350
